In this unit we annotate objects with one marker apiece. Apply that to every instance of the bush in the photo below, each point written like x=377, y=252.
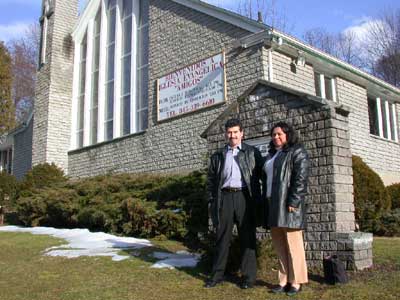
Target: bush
x=390, y=223
x=49, y=207
x=394, y=193
x=371, y=199
x=139, y=217
x=133, y=205
x=42, y=176
x=8, y=190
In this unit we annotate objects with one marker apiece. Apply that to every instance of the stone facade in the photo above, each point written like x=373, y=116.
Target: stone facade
x=287, y=74
x=22, y=159
x=386, y=161
x=52, y=122
x=324, y=131
x=183, y=36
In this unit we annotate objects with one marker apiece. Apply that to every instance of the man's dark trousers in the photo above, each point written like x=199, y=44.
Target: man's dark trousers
x=237, y=207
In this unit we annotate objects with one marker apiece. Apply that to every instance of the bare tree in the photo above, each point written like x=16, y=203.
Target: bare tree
x=376, y=51
x=269, y=13
x=24, y=56
x=341, y=45
x=382, y=45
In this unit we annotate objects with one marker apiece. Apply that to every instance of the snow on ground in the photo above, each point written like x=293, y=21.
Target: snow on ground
x=82, y=242
x=171, y=260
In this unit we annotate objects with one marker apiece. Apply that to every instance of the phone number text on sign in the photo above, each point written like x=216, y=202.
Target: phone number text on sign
x=191, y=88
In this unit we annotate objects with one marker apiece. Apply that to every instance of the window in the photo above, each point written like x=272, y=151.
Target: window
x=81, y=97
x=110, y=69
x=6, y=161
x=142, y=70
x=115, y=41
x=382, y=118
x=373, y=117
x=95, y=80
x=126, y=66
x=325, y=87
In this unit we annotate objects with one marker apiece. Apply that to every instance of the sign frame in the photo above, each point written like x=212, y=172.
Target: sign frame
x=202, y=106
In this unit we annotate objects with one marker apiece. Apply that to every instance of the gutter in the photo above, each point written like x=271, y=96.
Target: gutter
x=290, y=41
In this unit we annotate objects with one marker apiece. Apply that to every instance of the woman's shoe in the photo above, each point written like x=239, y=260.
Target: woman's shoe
x=293, y=291
x=279, y=289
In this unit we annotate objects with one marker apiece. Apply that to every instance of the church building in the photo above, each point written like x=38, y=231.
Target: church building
x=146, y=85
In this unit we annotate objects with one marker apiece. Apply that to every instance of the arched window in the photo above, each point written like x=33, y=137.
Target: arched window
x=114, y=100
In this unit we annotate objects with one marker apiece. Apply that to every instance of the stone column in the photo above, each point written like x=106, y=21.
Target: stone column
x=53, y=95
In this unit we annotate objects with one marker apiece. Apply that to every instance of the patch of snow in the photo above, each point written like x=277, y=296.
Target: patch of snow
x=173, y=260
x=82, y=242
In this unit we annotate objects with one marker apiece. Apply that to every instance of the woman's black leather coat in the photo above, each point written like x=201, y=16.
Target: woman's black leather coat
x=289, y=187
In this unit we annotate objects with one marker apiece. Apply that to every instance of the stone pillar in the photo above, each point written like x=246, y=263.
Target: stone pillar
x=53, y=94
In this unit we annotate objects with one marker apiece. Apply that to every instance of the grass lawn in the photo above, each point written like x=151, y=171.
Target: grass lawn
x=26, y=274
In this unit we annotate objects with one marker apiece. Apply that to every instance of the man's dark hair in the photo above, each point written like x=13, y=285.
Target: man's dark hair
x=291, y=136
x=232, y=123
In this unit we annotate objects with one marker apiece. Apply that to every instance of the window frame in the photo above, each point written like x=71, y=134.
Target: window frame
x=321, y=87
x=386, y=123
x=90, y=136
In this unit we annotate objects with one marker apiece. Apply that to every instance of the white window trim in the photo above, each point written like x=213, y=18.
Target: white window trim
x=270, y=66
x=322, y=85
x=75, y=96
x=396, y=134
x=388, y=126
x=380, y=120
x=102, y=74
x=333, y=88
x=117, y=72
x=79, y=33
x=88, y=83
x=92, y=72
x=135, y=97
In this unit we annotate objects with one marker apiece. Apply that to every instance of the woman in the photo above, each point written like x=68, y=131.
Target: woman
x=286, y=171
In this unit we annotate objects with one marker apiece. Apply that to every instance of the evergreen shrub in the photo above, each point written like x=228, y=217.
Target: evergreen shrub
x=8, y=190
x=371, y=199
x=390, y=223
x=42, y=176
x=394, y=193
x=134, y=205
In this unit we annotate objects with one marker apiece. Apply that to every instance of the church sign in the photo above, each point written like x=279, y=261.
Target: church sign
x=193, y=87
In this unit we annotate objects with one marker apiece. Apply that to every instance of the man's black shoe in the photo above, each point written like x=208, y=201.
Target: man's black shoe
x=246, y=285
x=212, y=283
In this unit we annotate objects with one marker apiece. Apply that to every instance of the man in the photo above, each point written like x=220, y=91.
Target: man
x=233, y=185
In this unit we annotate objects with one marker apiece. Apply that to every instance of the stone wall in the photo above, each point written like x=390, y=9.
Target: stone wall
x=385, y=162
x=381, y=155
x=323, y=129
x=178, y=36
x=290, y=75
x=22, y=160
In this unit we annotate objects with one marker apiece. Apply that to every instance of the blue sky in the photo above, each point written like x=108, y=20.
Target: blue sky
x=335, y=16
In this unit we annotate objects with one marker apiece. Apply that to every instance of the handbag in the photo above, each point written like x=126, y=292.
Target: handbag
x=334, y=270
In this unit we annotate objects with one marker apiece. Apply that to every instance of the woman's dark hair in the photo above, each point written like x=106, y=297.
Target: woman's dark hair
x=291, y=136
